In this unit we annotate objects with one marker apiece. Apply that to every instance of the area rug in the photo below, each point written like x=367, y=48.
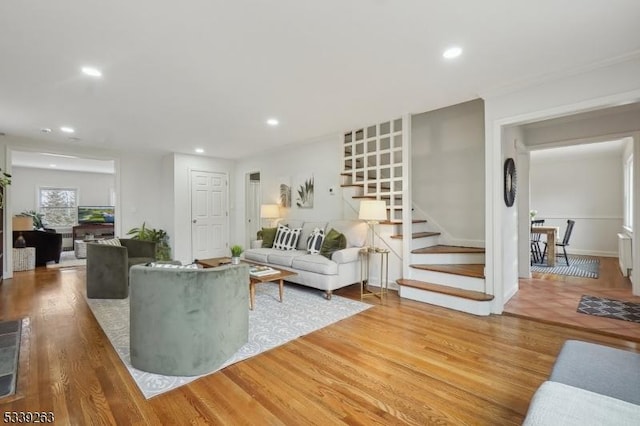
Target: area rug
x=67, y=264
x=67, y=260
x=9, y=351
x=579, y=266
x=271, y=324
x=610, y=308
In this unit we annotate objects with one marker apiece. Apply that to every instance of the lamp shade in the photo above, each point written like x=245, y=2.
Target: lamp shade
x=373, y=210
x=269, y=211
x=22, y=223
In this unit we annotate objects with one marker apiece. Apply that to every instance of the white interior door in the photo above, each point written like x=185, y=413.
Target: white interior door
x=209, y=215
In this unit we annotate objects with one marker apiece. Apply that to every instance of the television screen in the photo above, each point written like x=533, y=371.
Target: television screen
x=96, y=214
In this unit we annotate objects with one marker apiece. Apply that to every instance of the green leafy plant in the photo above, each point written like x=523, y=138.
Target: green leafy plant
x=158, y=236
x=236, y=250
x=37, y=218
x=5, y=180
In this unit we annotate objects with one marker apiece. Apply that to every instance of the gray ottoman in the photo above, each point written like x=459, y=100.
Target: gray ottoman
x=600, y=369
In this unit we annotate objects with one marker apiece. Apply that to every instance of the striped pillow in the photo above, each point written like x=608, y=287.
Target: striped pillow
x=173, y=265
x=111, y=242
x=286, y=238
x=314, y=242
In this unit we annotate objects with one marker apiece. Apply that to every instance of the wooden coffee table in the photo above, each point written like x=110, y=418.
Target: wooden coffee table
x=279, y=277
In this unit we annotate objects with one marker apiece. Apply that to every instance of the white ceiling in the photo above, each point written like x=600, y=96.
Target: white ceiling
x=208, y=73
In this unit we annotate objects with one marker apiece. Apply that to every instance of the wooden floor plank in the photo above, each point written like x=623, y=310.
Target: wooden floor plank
x=401, y=362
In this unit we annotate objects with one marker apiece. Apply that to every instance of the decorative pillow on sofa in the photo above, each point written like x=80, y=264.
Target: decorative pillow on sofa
x=110, y=242
x=314, y=242
x=267, y=235
x=333, y=242
x=172, y=265
x=286, y=238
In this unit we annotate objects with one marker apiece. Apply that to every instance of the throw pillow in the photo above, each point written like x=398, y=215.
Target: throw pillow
x=286, y=238
x=268, y=236
x=173, y=265
x=110, y=242
x=333, y=242
x=314, y=242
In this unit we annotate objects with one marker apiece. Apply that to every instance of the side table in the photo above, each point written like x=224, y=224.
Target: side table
x=24, y=259
x=365, y=260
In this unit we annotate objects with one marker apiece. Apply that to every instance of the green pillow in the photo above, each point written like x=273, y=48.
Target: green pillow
x=268, y=236
x=333, y=242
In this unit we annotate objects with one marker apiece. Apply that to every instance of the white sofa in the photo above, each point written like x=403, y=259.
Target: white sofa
x=315, y=270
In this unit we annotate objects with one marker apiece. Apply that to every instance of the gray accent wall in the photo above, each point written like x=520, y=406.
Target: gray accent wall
x=448, y=169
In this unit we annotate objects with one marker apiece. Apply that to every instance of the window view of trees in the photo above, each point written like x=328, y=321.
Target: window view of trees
x=59, y=206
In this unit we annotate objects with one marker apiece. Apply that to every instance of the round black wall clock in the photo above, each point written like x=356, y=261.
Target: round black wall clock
x=509, y=182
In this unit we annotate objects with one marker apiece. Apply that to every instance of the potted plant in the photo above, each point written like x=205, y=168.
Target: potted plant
x=236, y=251
x=159, y=236
x=5, y=180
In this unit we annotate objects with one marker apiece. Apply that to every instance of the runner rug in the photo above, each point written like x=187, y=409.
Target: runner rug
x=579, y=266
x=610, y=308
x=271, y=324
x=9, y=351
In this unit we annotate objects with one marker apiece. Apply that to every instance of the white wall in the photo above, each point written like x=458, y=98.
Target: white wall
x=448, y=168
x=584, y=186
x=180, y=166
x=320, y=158
x=597, y=87
x=511, y=138
x=94, y=189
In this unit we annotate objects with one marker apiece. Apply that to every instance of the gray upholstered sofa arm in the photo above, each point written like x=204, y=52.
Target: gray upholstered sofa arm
x=139, y=248
x=346, y=255
x=107, y=271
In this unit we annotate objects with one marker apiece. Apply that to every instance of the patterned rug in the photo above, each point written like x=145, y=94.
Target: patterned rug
x=579, y=266
x=610, y=308
x=9, y=351
x=271, y=324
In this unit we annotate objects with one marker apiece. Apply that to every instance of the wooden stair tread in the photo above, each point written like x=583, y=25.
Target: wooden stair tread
x=475, y=270
x=364, y=197
x=443, y=289
x=442, y=249
x=415, y=234
x=399, y=222
x=360, y=185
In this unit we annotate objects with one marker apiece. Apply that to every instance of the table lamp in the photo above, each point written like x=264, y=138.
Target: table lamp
x=270, y=211
x=21, y=223
x=373, y=211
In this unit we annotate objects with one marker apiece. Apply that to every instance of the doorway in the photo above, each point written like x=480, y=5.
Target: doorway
x=252, y=206
x=209, y=215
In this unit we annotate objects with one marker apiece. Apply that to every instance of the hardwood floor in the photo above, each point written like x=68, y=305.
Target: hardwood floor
x=400, y=363
x=554, y=299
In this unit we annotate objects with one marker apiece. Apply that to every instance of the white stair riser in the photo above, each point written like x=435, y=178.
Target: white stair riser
x=451, y=280
x=475, y=307
x=447, y=258
x=417, y=243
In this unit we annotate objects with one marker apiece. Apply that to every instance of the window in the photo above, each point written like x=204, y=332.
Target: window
x=59, y=206
x=628, y=193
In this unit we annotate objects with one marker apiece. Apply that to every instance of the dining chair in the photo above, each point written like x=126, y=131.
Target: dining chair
x=536, y=251
x=564, y=243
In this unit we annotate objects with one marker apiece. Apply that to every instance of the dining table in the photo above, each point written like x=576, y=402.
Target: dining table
x=552, y=233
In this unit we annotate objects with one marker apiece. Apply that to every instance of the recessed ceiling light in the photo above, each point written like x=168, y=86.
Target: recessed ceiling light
x=67, y=129
x=91, y=71
x=199, y=150
x=45, y=130
x=452, y=52
x=52, y=165
x=272, y=122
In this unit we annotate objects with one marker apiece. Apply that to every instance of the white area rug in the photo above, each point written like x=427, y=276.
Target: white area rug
x=67, y=260
x=271, y=324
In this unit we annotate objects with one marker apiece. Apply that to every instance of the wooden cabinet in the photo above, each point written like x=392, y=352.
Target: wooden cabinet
x=98, y=230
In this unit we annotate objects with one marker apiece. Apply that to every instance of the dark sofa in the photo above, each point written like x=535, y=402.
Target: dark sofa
x=48, y=245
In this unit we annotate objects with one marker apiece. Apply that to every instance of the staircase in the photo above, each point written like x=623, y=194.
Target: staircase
x=433, y=272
